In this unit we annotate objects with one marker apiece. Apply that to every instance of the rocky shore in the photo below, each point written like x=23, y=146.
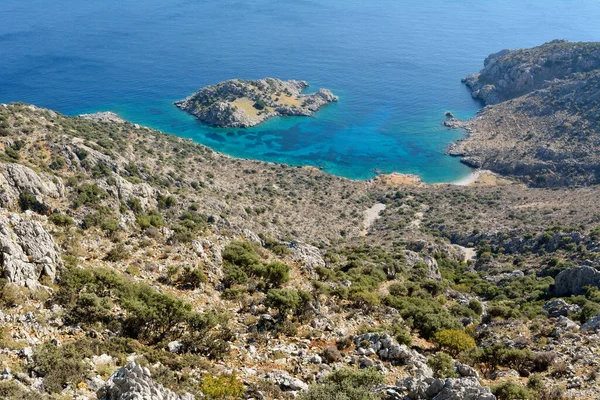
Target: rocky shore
x=541, y=123
x=241, y=104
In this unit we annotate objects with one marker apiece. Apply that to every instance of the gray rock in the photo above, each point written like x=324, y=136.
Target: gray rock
x=175, y=346
x=465, y=370
x=285, y=381
x=308, y=255
x=559, y=307
x=572, y=281
x=467, y=388
x=27, y=251
x=105, y=116
x=132, y=382
x=592, y=325
x=16, y=179
x=412, y=258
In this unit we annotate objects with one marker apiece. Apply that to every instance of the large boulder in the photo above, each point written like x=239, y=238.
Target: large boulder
x=27, y=251
x=592, y=325
x=132, y=382
x=286, y=382
x=309, y=256
x=16, y=179
x=466, y=388
x=572, y=281
x=559, y=307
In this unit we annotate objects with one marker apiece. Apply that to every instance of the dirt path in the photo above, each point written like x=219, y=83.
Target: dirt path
x=371, y=215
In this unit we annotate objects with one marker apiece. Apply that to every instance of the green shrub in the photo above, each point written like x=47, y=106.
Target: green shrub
x=511, y=391
x=225, y=387
x=28, y=201
x=60, y=366
x=476, y=306
x=285, y=301
x=454, y=341
x=346, y=384
x=276, y=273
x=192, y=278
x=88, y=194
x=59, y=219
x=442, y=365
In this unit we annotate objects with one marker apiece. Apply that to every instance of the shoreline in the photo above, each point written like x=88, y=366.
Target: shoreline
x=393, y=178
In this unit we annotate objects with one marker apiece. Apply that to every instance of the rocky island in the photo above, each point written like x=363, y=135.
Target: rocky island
x=542, y=120
x=241, y=104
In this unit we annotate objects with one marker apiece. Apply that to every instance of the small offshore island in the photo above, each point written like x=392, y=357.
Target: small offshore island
x=241, y=104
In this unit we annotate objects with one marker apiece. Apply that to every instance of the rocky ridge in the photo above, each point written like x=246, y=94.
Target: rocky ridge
x=241, y=104
x=541, y=122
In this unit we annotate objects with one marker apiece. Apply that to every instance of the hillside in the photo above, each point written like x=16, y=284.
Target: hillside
x=542, y=127
x=135, y=263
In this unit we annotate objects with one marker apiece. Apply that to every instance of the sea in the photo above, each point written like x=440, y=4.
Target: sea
x=396, y=66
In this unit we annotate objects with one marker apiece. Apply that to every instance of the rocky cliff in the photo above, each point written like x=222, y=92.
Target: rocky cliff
x=542, y=126
x=241, y=104
x=513, y=73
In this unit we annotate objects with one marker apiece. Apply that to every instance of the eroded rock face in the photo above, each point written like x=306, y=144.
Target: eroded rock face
x=572, y=281
x=512, y=73
x=27, y=251
x=308, y=255
x=465, y=388
x=286, y=382
x=16, y=179
x=559, y=307
x=132, y=382
x=388, y=349
x=240, y=104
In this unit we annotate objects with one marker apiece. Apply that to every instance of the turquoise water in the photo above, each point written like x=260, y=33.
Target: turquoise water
x=396, y=66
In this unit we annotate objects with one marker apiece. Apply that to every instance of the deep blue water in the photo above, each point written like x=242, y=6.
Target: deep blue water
x=396, y=65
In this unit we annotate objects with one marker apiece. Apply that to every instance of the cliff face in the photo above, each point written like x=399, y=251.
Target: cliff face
x=545, y=128
x=512, y=73
x=242, y=104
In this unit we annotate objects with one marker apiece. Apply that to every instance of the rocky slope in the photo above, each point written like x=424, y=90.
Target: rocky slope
x=136, y=264
x=542, y=126
x=241, y=104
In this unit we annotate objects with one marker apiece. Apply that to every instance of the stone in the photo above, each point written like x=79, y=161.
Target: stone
x=309, y=256
x=285, y=381
x=559, y=307
x=332, y=355
x=365, y=362
x=572, y=281
x=465, y=370
x=592, y=325
x=132, y=382
x=316, y=359
x=27, y=251
x=176, y=346
x=16, y=179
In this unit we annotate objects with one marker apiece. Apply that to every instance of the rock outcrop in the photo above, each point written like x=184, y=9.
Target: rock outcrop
x=572, y=281
x=27, y=251
x=513, y=73
x=132, y=382
x=16, y=179
x=309, y=256
x=541, y=124
x=241, y=104
x=559, y=307
x=465, y=388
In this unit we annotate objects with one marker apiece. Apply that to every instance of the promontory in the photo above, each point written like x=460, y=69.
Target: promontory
x=238, y=103
x=541, y=124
